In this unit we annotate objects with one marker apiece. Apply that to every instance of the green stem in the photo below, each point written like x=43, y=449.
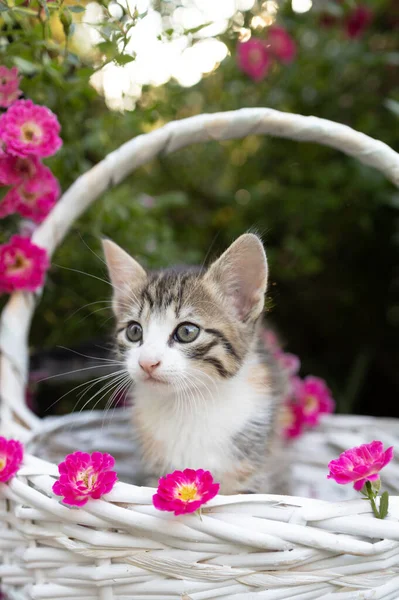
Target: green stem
x=374, y=506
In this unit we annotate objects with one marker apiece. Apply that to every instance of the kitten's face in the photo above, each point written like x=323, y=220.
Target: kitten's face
x=188, y=330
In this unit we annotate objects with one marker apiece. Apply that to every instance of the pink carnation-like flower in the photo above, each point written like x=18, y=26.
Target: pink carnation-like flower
x=290, y=362
x=29, y=129
x=281, y=44
x=253, y=58
x=84, y=476
x=11, y=455
x=314, y=397
x=9, y=86
x=292, y=420
x=34, y=197
x=270, y=340
x=185, y=491
x=22, y=265
x=360, y=464
x=358, y=21
x=14, y=169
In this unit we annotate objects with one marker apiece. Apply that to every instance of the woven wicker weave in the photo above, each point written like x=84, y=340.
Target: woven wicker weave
x=261, y=547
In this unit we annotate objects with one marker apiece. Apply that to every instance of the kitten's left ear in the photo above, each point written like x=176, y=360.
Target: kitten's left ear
x=125, y=273
x=241, y=274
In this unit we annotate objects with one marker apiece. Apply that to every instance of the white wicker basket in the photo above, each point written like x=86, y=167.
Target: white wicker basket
x=245, y=547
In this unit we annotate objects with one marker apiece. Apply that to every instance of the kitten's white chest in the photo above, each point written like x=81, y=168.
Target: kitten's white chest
x=197, y=432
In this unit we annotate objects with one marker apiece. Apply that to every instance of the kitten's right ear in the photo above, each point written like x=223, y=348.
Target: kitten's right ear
x=125, y=273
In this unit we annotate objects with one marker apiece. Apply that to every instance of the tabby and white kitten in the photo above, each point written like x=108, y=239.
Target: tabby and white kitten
x=207, y=394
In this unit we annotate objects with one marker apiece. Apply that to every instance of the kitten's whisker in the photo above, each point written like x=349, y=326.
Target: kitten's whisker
x=93, y=312
x=108, y=302
x=120, y=389
x=109, y=360
x=104, y=389
x=203, y=267
x=76, y=387
x=124, y=381
x=77, y=371
x=92, y=383
x=90, y=275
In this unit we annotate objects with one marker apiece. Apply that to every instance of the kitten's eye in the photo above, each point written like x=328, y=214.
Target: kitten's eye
x=186, y=332
x=134, y=332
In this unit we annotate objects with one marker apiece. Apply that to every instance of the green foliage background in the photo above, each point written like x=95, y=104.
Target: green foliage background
x=330, y=225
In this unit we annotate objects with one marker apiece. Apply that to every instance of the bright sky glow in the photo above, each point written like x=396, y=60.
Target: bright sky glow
x=157, y=61
x=301, y=6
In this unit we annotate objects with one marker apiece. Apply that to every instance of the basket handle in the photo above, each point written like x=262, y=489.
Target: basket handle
x=16, y=317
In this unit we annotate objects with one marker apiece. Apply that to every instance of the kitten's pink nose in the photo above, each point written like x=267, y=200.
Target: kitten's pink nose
x=149, y=365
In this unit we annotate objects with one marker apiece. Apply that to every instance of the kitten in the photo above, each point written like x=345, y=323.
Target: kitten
x=207, y=394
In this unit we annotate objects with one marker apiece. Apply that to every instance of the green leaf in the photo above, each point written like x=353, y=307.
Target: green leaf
x=198, y=28
x=25, y=11
x=123, y=59
x=77, y=9
x=26, y=66
x=384, y=503
x=107, y=48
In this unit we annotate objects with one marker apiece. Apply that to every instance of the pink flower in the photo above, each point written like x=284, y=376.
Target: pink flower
x=9, y=83
x=185, y=491
x=84, y=476
x=11, y=454
x=358, y=20
x=290, y=362
x=281, y=44
x=314, y=397
x=29, y=129
x=270, y=340
x=22, y=265
x=34, y=197
x=360, y=464
x=13, y=169
x=292, y=420
x=253, y=58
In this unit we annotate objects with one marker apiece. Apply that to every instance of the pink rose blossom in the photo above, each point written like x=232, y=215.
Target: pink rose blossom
x=29, y=129
x=253, y=58
x=11, y=454
x=360, y=464
x=314, y=397
x=9, y=84
x=281, y=44
x=358, y=21
x=34, y=197
x=185, y=491
x=84, y=476
x=22, y=265
x=14, y=169
x=292, y=420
